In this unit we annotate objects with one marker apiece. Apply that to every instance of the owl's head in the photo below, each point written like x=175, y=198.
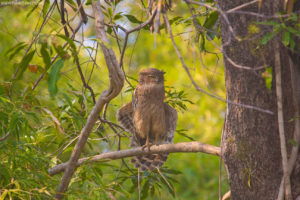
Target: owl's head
x=151, y=76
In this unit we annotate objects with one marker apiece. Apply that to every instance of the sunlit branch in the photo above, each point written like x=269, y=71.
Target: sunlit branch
x=187, y=147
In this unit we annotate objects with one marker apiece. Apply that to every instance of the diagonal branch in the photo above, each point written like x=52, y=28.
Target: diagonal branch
x=187, y=147
x=116, y=83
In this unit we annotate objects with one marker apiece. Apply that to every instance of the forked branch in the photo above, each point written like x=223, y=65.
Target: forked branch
x=116, y=83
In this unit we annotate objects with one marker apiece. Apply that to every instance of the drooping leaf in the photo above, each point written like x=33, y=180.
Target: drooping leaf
x=54, y=77
x=71, y=43
x=211, y=20
x=24, y=64
x=16, y=50
x=46, y=7
x=118, y=16
x=33, y=9
x=14, y=47
x=46, y=57
x=286, y=38
x=133, y=19
x=267, y=37
x=60, y=51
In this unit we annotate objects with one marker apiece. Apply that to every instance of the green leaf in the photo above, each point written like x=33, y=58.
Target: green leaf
x=14, y=47
x=24, y=64
x=16, y=51
x=34, y=7
x=46, y=57
x=266, y=38
x=267, y=75
x=54, y=77
x=293, y=142
x=110, y=13
x=60, y=51
x=292, y=43
x=211, y=20
x=133, y=19
x=88, y=2
x=46, y=7
x=145, y=189
x=118, y=16
x=71, y=43
x=286, y=38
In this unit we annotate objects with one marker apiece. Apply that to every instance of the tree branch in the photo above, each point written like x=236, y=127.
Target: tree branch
x=116, y=83
x=281, y=124
x=187, y=147
x=294, y=153
x=82, y=12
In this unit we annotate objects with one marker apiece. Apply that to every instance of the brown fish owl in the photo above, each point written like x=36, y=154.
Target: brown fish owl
x=148, y=118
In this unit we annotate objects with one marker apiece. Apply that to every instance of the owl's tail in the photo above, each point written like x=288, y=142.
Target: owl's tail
x=149, y=162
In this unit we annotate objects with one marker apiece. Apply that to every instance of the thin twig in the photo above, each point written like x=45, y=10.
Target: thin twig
x=242, y=6
x=83, y=80
x=169, y=185
x=82, y=12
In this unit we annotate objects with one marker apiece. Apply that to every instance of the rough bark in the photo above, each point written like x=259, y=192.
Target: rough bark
x=251, y=143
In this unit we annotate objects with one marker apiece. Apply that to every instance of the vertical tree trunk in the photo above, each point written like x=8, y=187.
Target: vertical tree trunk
x=251, y=144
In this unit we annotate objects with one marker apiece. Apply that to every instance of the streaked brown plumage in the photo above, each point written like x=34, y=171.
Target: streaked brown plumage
x=148, y=118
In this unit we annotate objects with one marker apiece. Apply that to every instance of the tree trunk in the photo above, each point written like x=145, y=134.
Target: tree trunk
x=251, y=144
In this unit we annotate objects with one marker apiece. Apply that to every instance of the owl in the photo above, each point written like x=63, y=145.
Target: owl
x=148, y=119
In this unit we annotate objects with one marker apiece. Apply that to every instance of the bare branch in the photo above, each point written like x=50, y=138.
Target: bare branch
x=116, y=83
x=286, y=176
x=241, y=6
x=187, y=147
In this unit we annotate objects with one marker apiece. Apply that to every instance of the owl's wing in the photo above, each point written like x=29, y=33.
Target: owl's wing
x=125, y=118
x=171, y=122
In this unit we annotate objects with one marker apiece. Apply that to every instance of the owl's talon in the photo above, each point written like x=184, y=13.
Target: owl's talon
x=147, y=145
